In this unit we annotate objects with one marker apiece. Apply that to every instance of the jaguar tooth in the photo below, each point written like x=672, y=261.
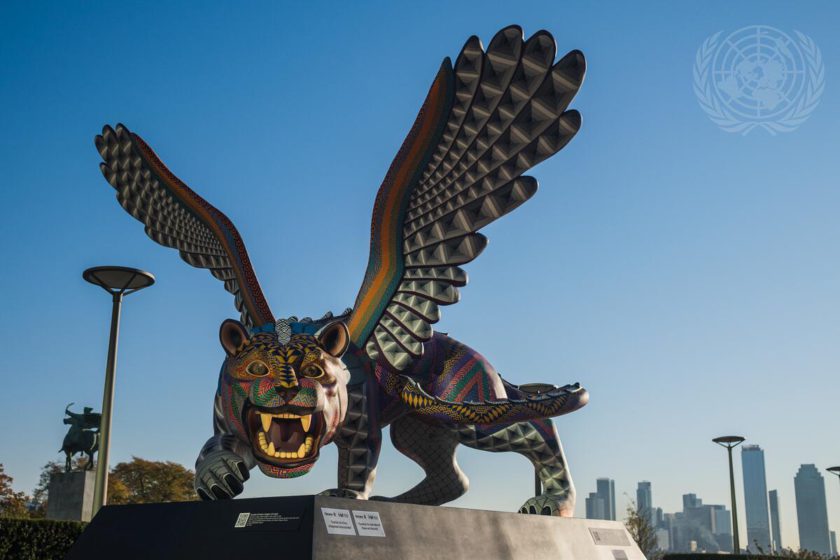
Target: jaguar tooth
x=301, y=450
x=270, y=449
x=306, y=422
x=266, y=421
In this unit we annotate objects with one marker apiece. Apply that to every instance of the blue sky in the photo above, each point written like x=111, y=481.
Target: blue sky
x=688, y=277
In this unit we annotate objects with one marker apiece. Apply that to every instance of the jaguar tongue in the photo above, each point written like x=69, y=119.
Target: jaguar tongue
x=286, y=435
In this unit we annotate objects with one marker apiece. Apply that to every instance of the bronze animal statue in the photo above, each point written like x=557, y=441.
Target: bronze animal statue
x=82, y=437
x=288, y=387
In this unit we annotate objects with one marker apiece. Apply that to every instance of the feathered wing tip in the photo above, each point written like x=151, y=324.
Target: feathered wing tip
x=503, y=112
x=175, y=216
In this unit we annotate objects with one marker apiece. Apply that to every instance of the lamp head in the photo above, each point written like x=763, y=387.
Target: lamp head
x=729, y=441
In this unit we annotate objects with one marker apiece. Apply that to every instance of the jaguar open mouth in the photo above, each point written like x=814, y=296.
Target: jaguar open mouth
x=284, y=438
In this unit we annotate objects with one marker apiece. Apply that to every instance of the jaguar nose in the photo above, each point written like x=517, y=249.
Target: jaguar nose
x=285, y=394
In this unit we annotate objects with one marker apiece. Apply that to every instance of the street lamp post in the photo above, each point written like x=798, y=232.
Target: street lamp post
x=118, y=281
x=729, y=442
x=834, y=470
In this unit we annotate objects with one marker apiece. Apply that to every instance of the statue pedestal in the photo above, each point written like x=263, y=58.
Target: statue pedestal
x=70, y=496
x=322, y=528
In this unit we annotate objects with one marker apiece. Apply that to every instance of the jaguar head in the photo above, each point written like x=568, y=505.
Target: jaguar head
x=284, y=400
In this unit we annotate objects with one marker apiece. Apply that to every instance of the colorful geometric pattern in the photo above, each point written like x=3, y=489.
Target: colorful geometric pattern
x=175, y=216
x=284, y=386
x=385, y=265
x=486, y=120
x=560, y=400
x=507, y=113
x=466, y=376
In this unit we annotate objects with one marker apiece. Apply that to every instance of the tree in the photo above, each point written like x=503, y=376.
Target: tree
x=142, y=482
x=12, y=504
x=642, y=530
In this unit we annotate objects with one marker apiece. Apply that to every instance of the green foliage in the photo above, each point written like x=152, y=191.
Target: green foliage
x=12, y=504
x=135, y=482
x=643, y=532
x=790, y=553
x=143, y=482
x=37, y=539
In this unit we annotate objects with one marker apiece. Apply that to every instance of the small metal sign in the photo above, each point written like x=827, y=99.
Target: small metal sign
x=609, y=537
x=368, y=523
x=338, y=521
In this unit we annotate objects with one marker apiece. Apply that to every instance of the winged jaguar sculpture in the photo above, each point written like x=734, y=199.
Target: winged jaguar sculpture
x=289, y=386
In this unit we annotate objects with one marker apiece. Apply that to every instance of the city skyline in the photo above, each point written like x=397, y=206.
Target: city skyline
x=717, y=518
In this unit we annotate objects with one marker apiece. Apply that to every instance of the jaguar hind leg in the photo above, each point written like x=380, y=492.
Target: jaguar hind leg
x=538, y=441
x=433, y=448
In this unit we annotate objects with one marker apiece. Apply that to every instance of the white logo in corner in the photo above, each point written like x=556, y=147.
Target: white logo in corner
x=759, y=77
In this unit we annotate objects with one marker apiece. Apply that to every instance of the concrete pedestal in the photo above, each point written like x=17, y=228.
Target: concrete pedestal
x=70, y=496
x=322, y=528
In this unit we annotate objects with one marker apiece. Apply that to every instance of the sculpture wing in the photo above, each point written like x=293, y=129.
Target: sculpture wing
x=175, y=216
x=493, y=116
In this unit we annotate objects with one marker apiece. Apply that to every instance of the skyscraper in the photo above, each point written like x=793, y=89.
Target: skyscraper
x=775, y=523
x=605, y=488
x=595, y=507
x=723, y=528
x=811, y=511
x=755, y=499
x=691, y=501
x=833, y=543
x=644, y=500
x=699, y=526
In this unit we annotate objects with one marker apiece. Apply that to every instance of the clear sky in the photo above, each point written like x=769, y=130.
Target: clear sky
x=687, y=276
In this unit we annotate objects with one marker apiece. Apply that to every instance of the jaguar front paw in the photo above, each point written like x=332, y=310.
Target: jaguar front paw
x=220, y=475
x=343, y=493
x=549, y=504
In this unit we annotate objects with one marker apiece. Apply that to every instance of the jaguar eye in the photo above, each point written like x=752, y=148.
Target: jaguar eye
x=257, y=368
x=312, y=371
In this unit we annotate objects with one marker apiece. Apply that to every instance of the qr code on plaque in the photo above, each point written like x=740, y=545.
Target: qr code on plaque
x=242, y=520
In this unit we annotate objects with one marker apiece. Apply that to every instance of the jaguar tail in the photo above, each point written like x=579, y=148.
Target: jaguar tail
x=528, y=402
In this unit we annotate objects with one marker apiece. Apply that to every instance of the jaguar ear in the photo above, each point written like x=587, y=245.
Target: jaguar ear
x=334, y=339
x=233, y=336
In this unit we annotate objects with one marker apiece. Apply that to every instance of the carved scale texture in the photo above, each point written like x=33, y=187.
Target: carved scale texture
x=508, y=114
